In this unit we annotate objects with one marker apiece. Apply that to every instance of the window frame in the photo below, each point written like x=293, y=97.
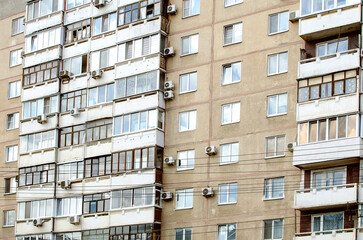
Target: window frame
x=323, y=9
x=190, y=47
x=40, y=105
x=6, y=218
x=13, y=122
x=72, y=133
x=232, y=4
x=321, y=224
x=188, y=81
x=228, y=193
x=109, y=27
x=234, y=33
x=234, y=113
x=84, y=2
x=187, y=160
x=230, y=156
x=65, y=97
x=75, y=34
x=104, y=198
x=190, y=11
x=277, y=101
x=48, y=69
x=96, y=97
x=7, y=149
x=61, y=210
x=19, y=23
x=277, y=63
x=81, y=67
x=189, y=127
x=42, y=172
x=10, y=185
x=184, y=233
x=325, y=172
x=227, y=225
x=18, y=57
x=54, y=3
x=278, y=23
x=269, y=189
x=17, y=89
x=230, y=65
x=275, y=147
x=185, y=194
x=92, y=126
x=273, y=228
x=326, y=43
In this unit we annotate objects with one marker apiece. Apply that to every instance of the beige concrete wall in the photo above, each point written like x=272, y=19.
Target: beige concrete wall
x=252, y=167
x=7, y=106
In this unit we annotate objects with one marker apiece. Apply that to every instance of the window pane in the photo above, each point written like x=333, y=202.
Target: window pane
x=284, y=21
x=278, y=229
x=283, y=62
x=268, y=229
x=312, y=131
x=322, y=130
x=273, y=23
x=332, y=128
x=272, y=102
x=272, y=64
x=342, y=127
x=352, y=126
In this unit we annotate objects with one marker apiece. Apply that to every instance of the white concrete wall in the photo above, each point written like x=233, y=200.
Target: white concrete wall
x=332, y=236
x=37, y=158
x=33, y=126
x=138, y=140
x=42, y=56
x=35, y=192
x=27, y=227
x=138, y=66
x=40, y=91
x=98, y=149
x=146, y=28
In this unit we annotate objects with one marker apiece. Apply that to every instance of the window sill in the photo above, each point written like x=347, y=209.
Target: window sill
x=78, y=7
x=16, y=34
x=188, y=54
x=276, y=115
x=229, y=203
x=231, y=5
x=227, y=163
x=224, y=124
x=184, y=169
x=137, y=132
x=8, y=226
x=16, y=65
x=11, y=129
x=7, y=194
x=189, y=130
x=9, y=98
x=132, y=208
x=178, y=209
x=11, y=161
x=271, y=199
x=41, y=17
x=229, y=44
x=275, y=33
x=226, y=84
x=273, y=74
x=278, y=156
x=186, y=17
x=191, y=91
x=103, y=34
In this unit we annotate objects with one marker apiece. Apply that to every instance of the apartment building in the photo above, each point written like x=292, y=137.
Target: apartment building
x=11, y=42
x=92, y=128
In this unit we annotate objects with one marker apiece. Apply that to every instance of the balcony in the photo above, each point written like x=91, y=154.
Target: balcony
x=78, y=13
x=32, y=126
x=44, y=22
x=25, y=227
x=322, y=152
x=326, y=107
x=38, y=157
x=138, y=140
x=318, y=66
x=42, y=56
x=344, y=234
x=331, y=22
x=326, y=196
x=40, y=90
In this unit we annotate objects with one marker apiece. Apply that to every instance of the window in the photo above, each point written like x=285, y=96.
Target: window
x=9, y=218
x=78, y=31
x=275, y=146
x=67, y=236
x=227, y=232
x=138, y=84
x=14, y=89
x=147, y=231
x=11, y=153
x=228, y=3
x=139, y=121
x=137, y=197
x=327, y=222
x=15, y=57
x=229, y=153
x=10, y=185
x=138, y=11
x=277, y=104
x=69, y=206
x=38, y=141
x=95, y=203
x=333, y=85
x=183, y=234
x=38, y=107
x=332, y=47
x=98, y=166
x=191, y=8
x=231, y=113
x=274, y=188
x=40, y=73
x=187, y=121
x=43, y=40
x=186, y=160
x=277, y=63
x=36, y=174
x=100, y=234
x=188, y=82
x=227, y=193
x=189, y=44
x=76, y=65
x=231, y=73
x=34, y=237
x=12, y=121
x=70, y=171
x=313, y=6
x=72, y=100
x=107, y=57
x=35, y=209
x=72, y=135
x=41, y=8
x=104, y=23
x=99, y=130
x=328, y=177
x=101, y=94
x=279, y=22
x=140, y=47
x=327, y=129
x=17, y=26
x=184, y=198
x=273, y=229
x=76, y=3
x=232, y=34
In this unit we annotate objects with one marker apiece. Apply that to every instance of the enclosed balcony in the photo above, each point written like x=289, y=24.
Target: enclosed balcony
x=344, y=234
x=327, y=18
x=325, y=196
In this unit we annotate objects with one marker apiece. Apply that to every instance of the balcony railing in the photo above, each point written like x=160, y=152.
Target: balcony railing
x=343, y=234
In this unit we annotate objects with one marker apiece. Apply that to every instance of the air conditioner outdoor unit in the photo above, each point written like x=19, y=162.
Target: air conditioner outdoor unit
x=168, y=95
x=211, y=150
x=166, y=196
x=75, y=219
x=42, y=118
x=294, y=16
x=38, y=222
x=22, y=54
x=96, y=73
x=290, y=146
x=169, y=161
x=207, y=192
x=99, y=3
x=171, y=9
x=75, y=112
x=67, y=184
x=64, y=74
x=169, y=52
x=169, y=85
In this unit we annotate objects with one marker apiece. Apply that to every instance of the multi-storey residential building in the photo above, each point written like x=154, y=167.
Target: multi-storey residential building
x=92, y=128
x=11, y=42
